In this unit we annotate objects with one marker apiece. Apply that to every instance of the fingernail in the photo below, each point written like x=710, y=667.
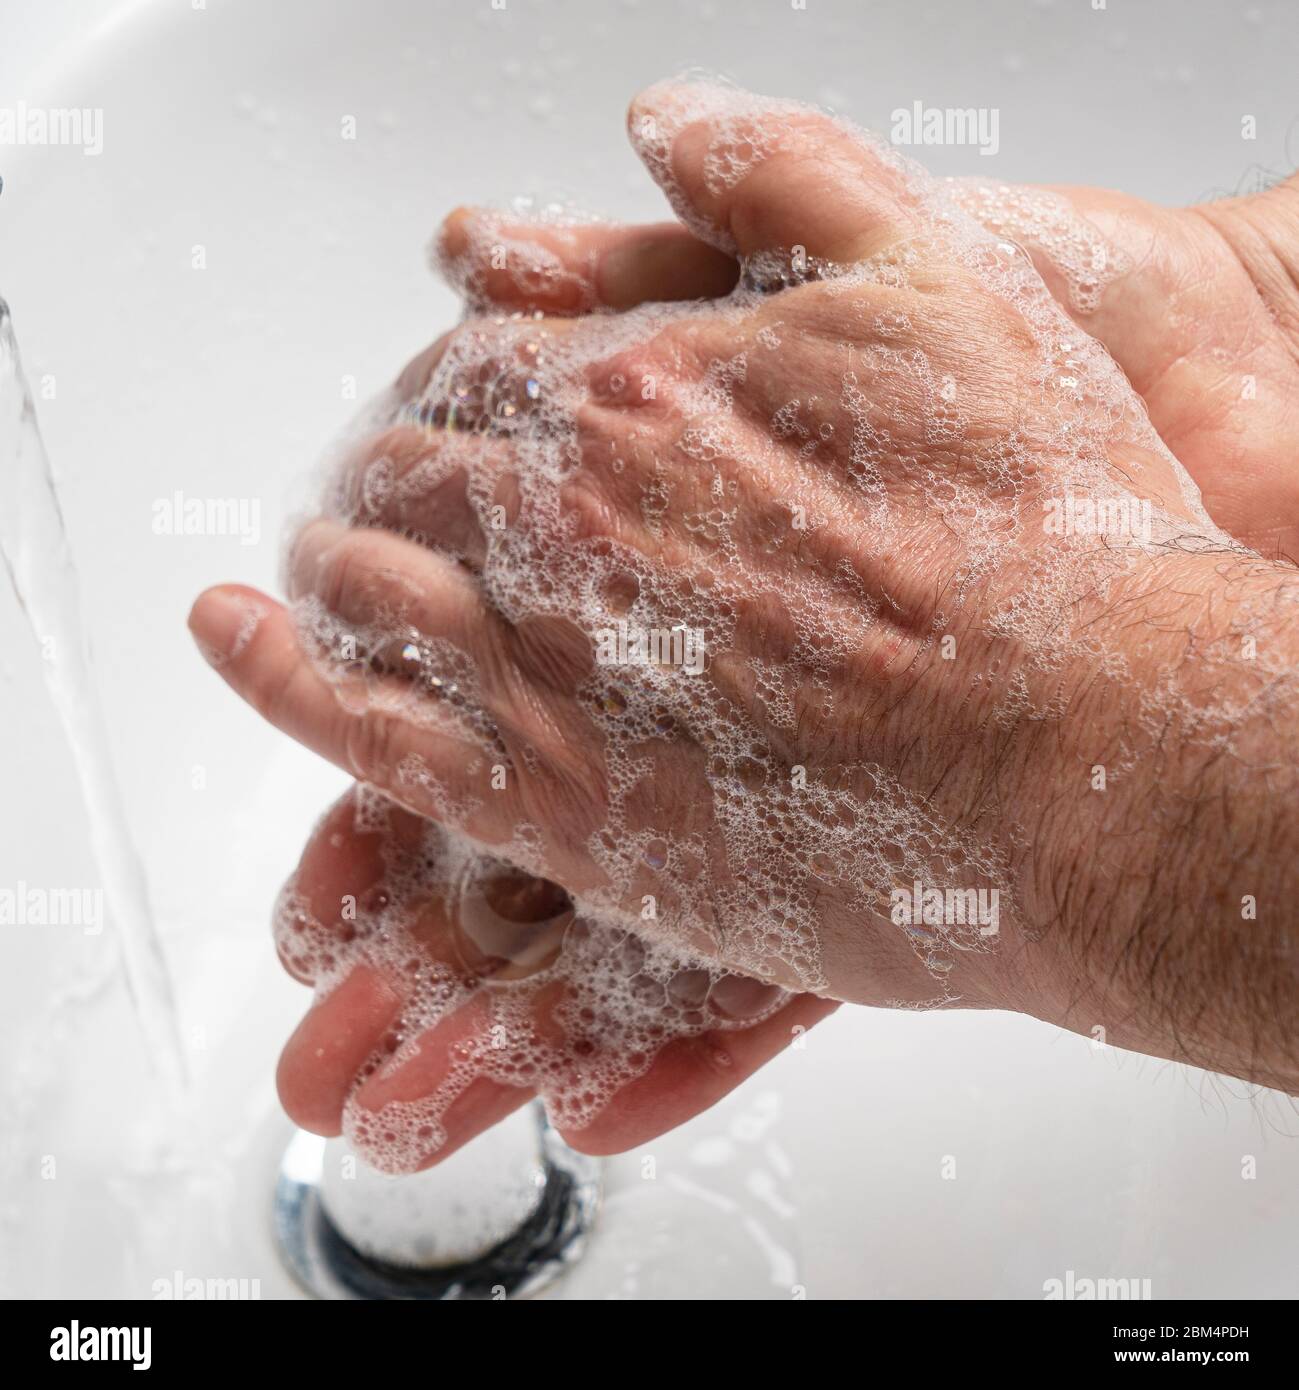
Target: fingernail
x=737, y=997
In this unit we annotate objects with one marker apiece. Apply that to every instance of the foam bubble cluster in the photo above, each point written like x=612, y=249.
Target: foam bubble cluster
x=490, y=246
x=573, y=1005
x=1086, y=261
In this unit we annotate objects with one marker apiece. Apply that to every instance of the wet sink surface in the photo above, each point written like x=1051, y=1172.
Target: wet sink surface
x=889, y=1154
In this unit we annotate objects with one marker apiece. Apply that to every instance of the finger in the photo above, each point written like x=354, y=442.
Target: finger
x=415, y=375
x=750, y=174
x=253, y=643
x=408, y=604
x=318, y=1074
x=447, y=426
x=415, y=482
x=436, y=1070
x=341, y=877
x=683, y=1079
x=367, y=576
x=689, y=1076
x=342, y=881
x=338, y=868
x=557, y=269
x=320, y=1063
x=329, y=1050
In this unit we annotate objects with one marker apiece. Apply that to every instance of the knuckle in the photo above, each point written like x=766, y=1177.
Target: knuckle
x=641, y=376
x=588, y=514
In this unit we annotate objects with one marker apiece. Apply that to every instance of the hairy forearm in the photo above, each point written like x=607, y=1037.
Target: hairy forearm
x=1174, y=893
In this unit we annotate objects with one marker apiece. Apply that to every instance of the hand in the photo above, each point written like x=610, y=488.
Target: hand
x=328, y=1067
x=915, y=764
x=1200, y=307
x=337, y=1063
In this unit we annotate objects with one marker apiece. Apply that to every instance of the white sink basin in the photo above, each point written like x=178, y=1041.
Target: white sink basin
x=976, y=1155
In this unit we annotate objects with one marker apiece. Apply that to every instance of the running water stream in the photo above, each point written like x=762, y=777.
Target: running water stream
x=34, y=545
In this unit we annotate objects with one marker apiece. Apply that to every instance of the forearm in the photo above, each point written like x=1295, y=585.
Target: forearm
x=1176, y=902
